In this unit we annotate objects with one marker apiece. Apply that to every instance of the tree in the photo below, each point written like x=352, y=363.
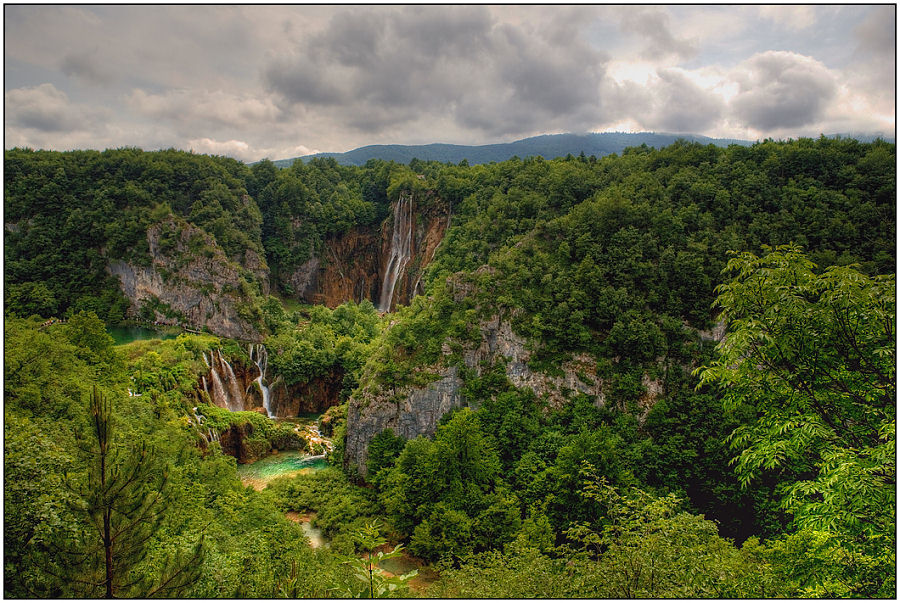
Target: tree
x=122, y=503
x=814, y=354
x=383, y=451
x=376, y=581
x=647, y=547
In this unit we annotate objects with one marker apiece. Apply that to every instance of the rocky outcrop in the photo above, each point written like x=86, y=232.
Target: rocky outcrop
x=190, y=281
x=237, y=441
x=349, y=269
x=352, y=266
x=411, y=411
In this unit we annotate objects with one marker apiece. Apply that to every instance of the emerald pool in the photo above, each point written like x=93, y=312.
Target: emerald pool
x=288, y=463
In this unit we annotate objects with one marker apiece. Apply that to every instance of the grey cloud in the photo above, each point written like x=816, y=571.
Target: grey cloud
x=653, y=26
x=782, y=90
x=873, y=73
x=875, y=36
x=42, y=108
x=681, y=105
x=84, y=66
x=215, y=108
x=373, y=69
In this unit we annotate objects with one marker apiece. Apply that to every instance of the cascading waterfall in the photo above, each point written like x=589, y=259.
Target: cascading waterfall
x=223, y=387
x=210, y=435
x=260, y=356
x=401, y=243
x=218, y=394
x=236, y=398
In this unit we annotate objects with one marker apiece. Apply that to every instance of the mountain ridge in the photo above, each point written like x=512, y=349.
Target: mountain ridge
x=548, y=146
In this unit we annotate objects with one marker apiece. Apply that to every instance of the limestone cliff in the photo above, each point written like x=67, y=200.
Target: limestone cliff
x=413, y=411
x=347, y=271
x=191, y=281
x=353, y=266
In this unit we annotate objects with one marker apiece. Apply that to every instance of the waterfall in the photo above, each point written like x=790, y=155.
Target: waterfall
x=218, y=394
x=224, y=388
x=401, y=242
x=226, y=391
x=236, y=397
x=260, y=357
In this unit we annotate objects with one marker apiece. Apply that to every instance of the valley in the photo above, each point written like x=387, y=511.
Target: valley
x=532, y=376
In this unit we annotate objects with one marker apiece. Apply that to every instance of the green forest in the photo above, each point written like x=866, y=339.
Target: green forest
x=721, y=321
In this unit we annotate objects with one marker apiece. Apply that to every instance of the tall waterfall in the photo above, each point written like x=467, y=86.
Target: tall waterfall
x=260, y=357
x=401, y=243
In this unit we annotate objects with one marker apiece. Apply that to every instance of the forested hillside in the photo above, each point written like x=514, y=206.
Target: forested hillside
x=665, y=373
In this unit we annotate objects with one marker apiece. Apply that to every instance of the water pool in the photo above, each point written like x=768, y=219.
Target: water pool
x=289, y=463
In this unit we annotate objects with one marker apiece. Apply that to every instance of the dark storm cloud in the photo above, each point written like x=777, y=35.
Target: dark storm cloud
x=375, y=69
x=782, y=90
x=654, y=27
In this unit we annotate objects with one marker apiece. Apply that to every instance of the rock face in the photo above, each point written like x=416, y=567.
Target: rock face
x=349, y=270
x=236, y=441
x=353, y=266
x=191, y=281
x=316, y=396
x=411, y=412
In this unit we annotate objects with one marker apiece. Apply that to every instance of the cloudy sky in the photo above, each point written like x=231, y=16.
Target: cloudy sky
x=281, y=81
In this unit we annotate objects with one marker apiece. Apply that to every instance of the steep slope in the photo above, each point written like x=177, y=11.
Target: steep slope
x=597, y=280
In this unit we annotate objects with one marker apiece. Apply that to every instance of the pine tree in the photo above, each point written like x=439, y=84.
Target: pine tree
x=122, y=503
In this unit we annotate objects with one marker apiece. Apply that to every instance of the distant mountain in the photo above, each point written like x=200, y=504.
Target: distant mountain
x=547, y=146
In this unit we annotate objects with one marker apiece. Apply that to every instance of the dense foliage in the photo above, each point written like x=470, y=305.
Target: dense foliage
x=814, y=354
x=68, y=214
x=762, y=464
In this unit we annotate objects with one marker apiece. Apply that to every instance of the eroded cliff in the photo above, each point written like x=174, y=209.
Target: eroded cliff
x=190, y=281
x=413, y=411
